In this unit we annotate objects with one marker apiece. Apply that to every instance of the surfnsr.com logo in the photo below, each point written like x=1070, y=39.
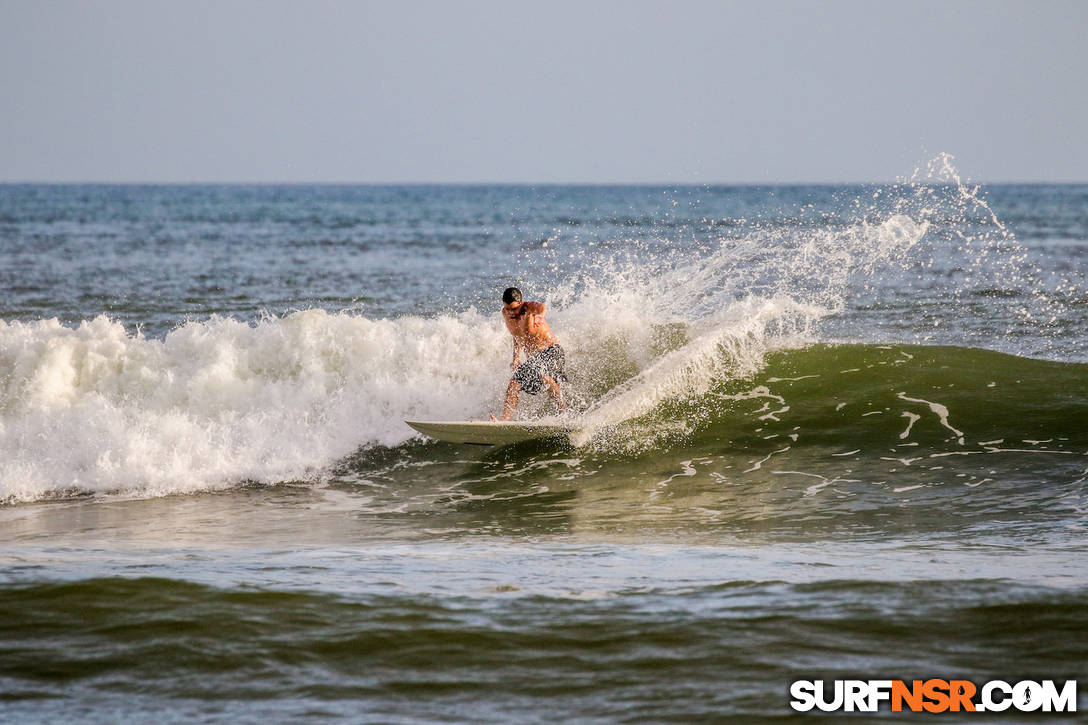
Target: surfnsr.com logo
x=933, y=695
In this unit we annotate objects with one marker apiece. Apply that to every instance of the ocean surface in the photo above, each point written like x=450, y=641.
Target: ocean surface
x=833, y=432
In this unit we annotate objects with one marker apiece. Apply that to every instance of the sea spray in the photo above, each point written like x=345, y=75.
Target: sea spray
x=728, y=324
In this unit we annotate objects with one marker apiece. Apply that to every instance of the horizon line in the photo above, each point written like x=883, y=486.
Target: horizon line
x=690, y=183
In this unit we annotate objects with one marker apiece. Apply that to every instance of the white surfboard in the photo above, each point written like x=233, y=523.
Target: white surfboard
x=492, y=432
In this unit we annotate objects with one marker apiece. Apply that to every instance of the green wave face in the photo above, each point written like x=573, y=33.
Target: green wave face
x=889, y=399
x=861, y=429
x=876, y=400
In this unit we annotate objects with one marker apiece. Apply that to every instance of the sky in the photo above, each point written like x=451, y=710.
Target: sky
x=591, y=91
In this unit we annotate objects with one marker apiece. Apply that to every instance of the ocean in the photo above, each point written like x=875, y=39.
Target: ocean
x=826, y=432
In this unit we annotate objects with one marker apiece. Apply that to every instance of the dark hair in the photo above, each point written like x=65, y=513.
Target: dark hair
x=511, y=295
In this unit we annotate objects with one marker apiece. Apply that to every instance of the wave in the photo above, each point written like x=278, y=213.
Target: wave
x=97, y=409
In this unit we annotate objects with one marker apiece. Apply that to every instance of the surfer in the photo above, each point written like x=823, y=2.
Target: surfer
x=545, y=359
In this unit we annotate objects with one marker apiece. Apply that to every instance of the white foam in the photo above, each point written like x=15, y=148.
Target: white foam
x=97, y=408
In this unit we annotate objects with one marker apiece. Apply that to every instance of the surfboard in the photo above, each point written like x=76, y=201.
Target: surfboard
x=491, y=432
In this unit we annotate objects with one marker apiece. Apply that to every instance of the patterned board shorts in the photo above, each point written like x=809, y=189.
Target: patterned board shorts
x=548, y=363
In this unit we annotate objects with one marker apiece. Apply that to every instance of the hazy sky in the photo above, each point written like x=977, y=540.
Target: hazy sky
x=584, y=91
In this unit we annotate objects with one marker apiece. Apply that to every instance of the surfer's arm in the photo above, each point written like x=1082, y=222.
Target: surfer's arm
x=517, y=355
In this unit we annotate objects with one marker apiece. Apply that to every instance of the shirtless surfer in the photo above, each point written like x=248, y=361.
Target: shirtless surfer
x=545, y=358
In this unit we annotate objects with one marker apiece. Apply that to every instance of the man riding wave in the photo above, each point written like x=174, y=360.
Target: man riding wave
x=545, y=359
